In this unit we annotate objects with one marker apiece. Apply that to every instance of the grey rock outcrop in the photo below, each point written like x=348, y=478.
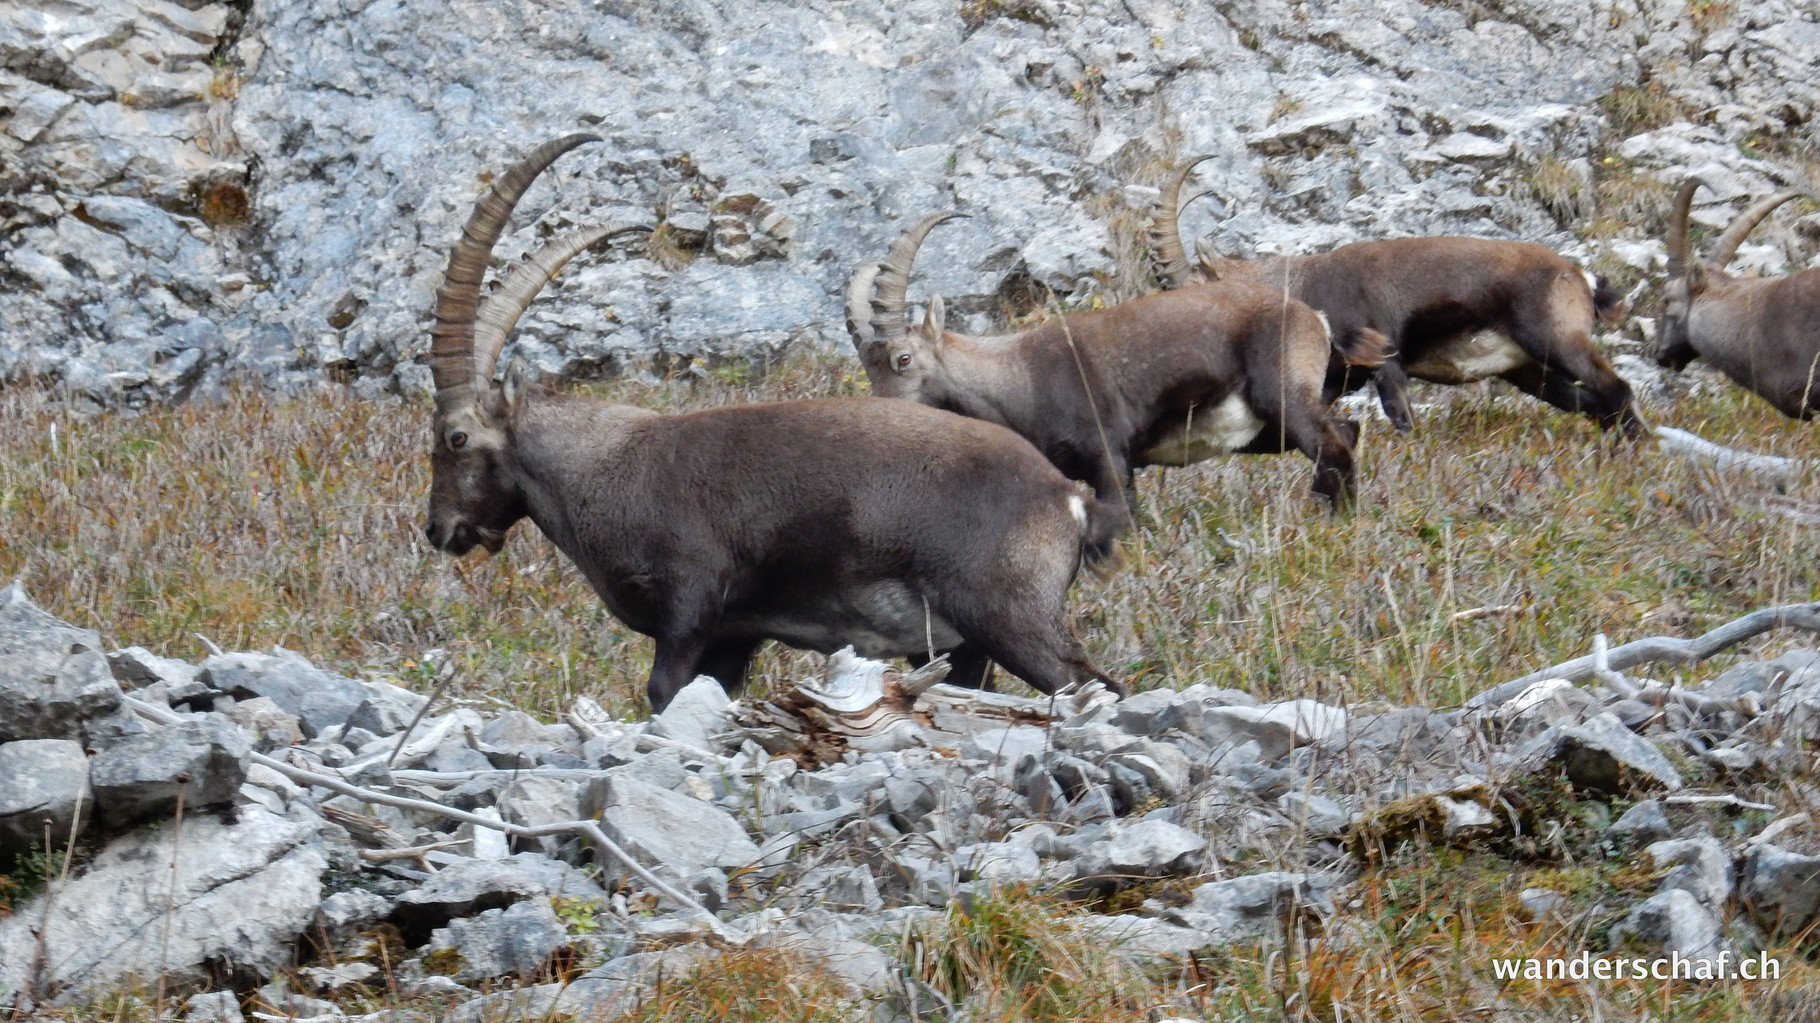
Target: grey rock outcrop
x=199, y=191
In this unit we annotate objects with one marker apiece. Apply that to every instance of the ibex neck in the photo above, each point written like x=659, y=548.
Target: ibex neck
x=571, y=455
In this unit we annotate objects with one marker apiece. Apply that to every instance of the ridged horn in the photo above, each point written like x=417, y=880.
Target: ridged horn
x=859, y=307
x=501, y=310
x=452, y=363
x=1727, y=246
x=1168, y=259
x=892, y=281
x=1676, y=242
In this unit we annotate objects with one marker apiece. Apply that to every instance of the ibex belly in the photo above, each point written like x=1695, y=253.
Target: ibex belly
x=1468, y=358
x=885, y=619
x=1204, y=433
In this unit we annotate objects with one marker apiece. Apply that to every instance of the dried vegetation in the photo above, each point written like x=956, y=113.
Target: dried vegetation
x=1501, y=537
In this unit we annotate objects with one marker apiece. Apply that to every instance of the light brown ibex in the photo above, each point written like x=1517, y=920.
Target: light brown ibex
x=903, y=532
x=1166, y=379
x=1763, y=332
x=1458, y=310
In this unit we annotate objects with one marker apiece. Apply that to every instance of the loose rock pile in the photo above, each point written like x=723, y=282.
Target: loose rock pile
x=252, y=813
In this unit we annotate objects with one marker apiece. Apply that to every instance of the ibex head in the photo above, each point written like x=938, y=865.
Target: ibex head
x=1689, y=279
x=475, y=490
x=900, y=362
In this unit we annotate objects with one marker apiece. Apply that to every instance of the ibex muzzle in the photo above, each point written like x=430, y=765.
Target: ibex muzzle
x=894, y=528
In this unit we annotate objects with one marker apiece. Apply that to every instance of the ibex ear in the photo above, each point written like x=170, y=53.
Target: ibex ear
x=513, y=387
x=1209, y=259
x=935, y=317
x=1696, y=278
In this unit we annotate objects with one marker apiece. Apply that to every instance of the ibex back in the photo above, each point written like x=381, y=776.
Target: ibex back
x=1458, y=310
x=1163, y=380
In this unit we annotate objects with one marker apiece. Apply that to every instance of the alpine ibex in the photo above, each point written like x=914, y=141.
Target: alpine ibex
x=816, y=523
x=1458, y=310
x=1762, y=332
x=1163, y=380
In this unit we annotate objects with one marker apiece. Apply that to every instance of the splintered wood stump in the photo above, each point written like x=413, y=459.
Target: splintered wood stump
x=867, y=706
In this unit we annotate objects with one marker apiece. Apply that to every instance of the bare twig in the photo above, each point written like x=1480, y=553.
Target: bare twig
x=1722, y=799
x=1473, y=614
x=1662, y=649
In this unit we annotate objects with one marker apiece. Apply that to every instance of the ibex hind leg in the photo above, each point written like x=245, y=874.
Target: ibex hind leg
x=1035, y=646
x=968, y=665
x=1605, y=401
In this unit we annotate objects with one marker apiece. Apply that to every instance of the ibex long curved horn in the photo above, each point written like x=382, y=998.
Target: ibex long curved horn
x=501, y=310
x=892, y=280
x=1676, y=242
x=1727, y=246
x=1168, y=259
x=452, y=362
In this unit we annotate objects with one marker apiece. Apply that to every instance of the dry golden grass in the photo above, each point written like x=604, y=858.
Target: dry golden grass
x=255, y=521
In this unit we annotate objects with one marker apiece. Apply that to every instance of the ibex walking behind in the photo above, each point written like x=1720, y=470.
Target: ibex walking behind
x=902, y=531
x=1163, y=380
x=1763, y=332
x=1459, y=310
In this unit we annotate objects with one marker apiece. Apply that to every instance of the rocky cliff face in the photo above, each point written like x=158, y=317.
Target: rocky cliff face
x=192, y=192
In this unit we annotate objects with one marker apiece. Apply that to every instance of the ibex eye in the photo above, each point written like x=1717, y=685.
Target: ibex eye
x=903, y=360
x=458, y=440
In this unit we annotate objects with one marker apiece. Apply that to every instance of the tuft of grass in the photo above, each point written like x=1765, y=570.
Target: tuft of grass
x=1641, y=107
x=749, y=985
x=1012, y=955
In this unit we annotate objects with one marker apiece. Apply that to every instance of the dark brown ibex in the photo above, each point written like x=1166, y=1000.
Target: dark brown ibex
x=1458, y=310
x=1763, y=332
x=1163, y=380
x=903, y=531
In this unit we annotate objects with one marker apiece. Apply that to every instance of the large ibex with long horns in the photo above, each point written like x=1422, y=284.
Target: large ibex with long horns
x=1763, y=332
x=1459, y=310
x=816, y=523
x=1162, y=380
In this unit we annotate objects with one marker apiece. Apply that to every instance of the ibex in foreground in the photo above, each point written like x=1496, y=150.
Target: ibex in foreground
x=1163, y=380
x=1762, y=332
x=903, y=531
x=1459, y=310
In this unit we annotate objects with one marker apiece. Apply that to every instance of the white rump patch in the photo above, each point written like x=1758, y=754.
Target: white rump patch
x=1220, y=430
x=1326, y=327
x=1592, y=281
x=1469, y=358
x=1078, y=509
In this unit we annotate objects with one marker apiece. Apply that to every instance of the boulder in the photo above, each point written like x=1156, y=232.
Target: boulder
x=47, y=794
x=53, y=676
x=202, y=759
x=194, y=901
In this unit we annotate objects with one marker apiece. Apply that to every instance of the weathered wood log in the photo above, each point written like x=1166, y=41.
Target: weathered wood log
x=867, y=706
x=1681, y=442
